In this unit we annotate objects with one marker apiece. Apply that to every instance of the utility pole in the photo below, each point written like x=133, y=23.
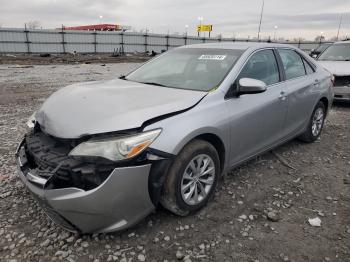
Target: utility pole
x=274, y=32
x=200, y=19
x=340, y=22
x=261, y=16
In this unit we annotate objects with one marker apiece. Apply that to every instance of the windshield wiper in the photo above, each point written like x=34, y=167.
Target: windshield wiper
x=152, y=83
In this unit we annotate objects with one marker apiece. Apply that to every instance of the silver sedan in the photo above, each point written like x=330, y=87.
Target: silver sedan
x=100, y=156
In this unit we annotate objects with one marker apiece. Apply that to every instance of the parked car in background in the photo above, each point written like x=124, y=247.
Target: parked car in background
x=336, y=59
x=100, y=156
x=316, y=52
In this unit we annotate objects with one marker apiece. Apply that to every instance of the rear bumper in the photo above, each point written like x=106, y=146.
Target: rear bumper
x=341, y=92
x=121, y=201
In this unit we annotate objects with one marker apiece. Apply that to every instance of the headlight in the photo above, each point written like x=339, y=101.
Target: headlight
x=31, y=121
x=116, y=148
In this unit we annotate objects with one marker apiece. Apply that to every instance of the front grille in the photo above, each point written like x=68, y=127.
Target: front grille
x=48, y=158
x=45, y=154
x=342, y=81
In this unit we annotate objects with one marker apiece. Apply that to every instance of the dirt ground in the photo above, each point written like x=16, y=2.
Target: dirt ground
x=69, y=58
x=259, y=213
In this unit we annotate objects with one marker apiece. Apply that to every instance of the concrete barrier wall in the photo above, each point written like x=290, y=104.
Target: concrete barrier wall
x=64, y=41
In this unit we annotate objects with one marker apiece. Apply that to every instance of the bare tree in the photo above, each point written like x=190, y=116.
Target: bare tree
x=33, y=24
x=320, y=38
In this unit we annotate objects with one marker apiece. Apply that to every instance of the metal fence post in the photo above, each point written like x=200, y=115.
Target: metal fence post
x=167, y=42
x=146, y=42
x=95, y=41
x=27, y=38
x=63, y=42
x=122, y=42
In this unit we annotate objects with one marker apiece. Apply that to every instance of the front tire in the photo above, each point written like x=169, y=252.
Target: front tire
x=192, y=178
x=315, y=125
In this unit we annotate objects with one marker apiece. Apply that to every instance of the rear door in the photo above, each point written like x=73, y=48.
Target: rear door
x=302, y=90
x=257, y=119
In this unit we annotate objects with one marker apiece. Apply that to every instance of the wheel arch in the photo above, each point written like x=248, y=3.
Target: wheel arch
x=215, y=141
x=160, y=169
x=325, y=102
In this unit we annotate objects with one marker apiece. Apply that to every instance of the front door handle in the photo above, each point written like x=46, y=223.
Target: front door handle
x=282, y=96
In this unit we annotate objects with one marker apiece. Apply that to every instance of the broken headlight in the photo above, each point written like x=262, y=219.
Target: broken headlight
x=118, y=148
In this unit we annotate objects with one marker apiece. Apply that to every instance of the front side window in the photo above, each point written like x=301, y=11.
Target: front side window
x=261, y=66
x=292, y=63
x=336, y=52
x=201, y=69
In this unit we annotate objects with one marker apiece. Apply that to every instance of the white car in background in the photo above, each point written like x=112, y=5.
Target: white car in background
x=336, y=59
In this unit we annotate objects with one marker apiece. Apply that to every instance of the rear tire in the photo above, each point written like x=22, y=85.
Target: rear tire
x=191, y=179
x=315, y=125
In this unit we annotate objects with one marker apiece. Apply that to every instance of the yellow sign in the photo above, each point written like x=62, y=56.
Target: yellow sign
x=204, y=28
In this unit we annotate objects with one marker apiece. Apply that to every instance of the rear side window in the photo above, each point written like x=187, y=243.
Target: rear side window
x=261, y=66
x=292, y=63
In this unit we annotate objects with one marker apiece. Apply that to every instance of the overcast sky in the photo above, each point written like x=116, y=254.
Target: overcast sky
x=294, y=18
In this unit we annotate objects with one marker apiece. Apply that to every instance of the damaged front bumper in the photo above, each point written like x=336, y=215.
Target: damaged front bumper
x=342, y=92
x=119, y=202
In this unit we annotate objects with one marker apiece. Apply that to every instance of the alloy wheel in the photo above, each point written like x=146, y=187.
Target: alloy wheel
x=197, y=179
x=317, y=122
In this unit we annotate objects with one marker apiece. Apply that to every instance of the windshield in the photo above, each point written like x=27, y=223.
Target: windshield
x=323, y=47
x=337, y=52
x=199, y=69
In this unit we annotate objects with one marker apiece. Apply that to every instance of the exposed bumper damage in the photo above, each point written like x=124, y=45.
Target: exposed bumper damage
x=342, y=87
x=85, y=197
x=342, y=92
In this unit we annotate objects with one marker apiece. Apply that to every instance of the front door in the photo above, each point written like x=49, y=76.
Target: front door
x=257, y=120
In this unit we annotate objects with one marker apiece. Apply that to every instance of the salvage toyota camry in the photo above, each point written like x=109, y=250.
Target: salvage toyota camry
x=100, y=156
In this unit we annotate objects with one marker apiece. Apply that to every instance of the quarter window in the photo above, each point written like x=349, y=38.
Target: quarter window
x=292, y=63
x=308, y=68
x=261, y=66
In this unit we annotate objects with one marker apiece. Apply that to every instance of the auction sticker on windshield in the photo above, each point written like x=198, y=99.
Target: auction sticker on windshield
x=212, y=57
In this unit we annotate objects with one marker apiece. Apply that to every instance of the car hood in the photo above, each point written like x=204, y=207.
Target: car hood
x=108, y=106
x=338, y=68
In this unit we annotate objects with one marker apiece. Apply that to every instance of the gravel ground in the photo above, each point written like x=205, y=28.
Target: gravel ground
x=69, y=58
x=260, y=211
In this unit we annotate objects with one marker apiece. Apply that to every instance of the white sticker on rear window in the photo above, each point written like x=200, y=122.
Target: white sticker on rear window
x=212, y=57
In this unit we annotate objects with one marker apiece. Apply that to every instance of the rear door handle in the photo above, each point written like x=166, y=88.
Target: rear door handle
x=282, y=96
x=316, y=83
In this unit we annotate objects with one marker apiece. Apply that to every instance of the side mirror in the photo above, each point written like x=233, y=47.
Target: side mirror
x=250, y=86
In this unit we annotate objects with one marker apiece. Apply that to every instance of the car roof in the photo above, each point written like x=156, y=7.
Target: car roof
x=237, y=45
